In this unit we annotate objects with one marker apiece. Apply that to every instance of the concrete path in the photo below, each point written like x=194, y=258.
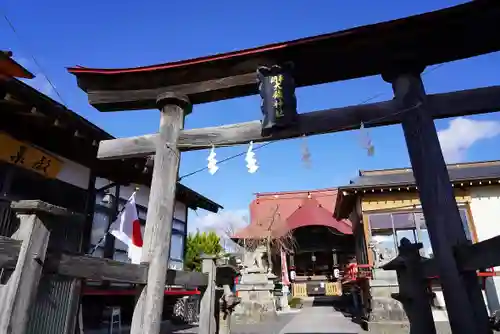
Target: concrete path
x=309, y=320
x=320, y=319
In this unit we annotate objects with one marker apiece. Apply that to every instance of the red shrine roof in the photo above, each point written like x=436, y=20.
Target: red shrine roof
x=280, y=212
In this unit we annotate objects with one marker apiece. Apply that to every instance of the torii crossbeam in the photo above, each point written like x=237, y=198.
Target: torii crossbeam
x=399, y=50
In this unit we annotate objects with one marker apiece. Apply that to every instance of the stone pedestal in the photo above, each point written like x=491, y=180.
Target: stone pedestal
x=283, y=300
x=387, y=315
x=257, y=300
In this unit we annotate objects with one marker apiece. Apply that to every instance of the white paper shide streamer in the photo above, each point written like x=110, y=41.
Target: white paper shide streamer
x=212, y=162
x=250, y=159
x=366, y=140
x=306, y=154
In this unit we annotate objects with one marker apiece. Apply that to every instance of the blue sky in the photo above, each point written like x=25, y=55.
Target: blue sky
x=131, y=33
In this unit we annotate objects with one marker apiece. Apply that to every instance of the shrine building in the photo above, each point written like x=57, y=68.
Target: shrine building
x=319, y=243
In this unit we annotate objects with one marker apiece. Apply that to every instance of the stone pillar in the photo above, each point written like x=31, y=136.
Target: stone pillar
x=207, y=323
x=32, y=301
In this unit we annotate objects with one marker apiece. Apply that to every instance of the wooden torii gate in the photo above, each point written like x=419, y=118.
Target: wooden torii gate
x=398, y=50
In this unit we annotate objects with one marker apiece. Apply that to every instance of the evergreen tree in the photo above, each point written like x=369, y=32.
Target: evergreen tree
x=200, y=243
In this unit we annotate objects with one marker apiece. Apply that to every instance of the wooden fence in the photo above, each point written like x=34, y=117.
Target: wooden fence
x=29, y=255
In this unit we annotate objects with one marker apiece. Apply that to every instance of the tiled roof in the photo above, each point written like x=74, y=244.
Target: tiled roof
x=278, y=212
x=403, y=177
x=312, y=213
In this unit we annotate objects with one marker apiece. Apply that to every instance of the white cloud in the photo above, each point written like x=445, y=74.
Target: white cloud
x=462, y=133
x=224, y=223
x=220, y=222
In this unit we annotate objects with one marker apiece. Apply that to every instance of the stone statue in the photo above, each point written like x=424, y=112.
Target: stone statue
x=378, y=257
x=256, y=259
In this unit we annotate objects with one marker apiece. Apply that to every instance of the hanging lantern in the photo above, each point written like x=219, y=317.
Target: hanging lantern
x=277, y=91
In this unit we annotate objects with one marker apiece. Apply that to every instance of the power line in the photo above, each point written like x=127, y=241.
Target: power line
x=349, y=127
x=44, y=73
x=345, y=128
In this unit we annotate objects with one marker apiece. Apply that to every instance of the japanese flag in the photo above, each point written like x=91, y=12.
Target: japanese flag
x=127, y=229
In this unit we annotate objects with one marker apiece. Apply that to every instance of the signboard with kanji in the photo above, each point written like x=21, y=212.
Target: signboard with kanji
x=24, y=155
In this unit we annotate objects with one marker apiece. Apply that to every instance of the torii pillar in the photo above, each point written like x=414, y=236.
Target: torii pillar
x=464, y=302
x=156, y=250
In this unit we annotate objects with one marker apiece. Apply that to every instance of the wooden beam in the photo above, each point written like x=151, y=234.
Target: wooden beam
x=465, y=306
x=198, y=92
x=38, y=206
x=481, y=255
x=100, y=269
x=97, y=269
x=186, y=278
x=478, y=256
x=467, y=102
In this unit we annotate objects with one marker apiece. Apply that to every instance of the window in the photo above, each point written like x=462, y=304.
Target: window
x=383, y=237
x=177, y=246
x=99, y=228
x=180, y=211
x=387, y=231
x=179, y=226
x=177, y=240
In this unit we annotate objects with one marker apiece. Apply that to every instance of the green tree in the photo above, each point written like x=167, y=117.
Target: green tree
x=200, y=243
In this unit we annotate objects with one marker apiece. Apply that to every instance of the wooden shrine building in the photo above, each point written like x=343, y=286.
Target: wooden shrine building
x=398, y=51
x=48, y=153
x=318, y=243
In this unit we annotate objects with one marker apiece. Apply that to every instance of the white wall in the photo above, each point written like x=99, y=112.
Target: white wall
x=142, y=197
x=79, y=175
x=485, y=209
